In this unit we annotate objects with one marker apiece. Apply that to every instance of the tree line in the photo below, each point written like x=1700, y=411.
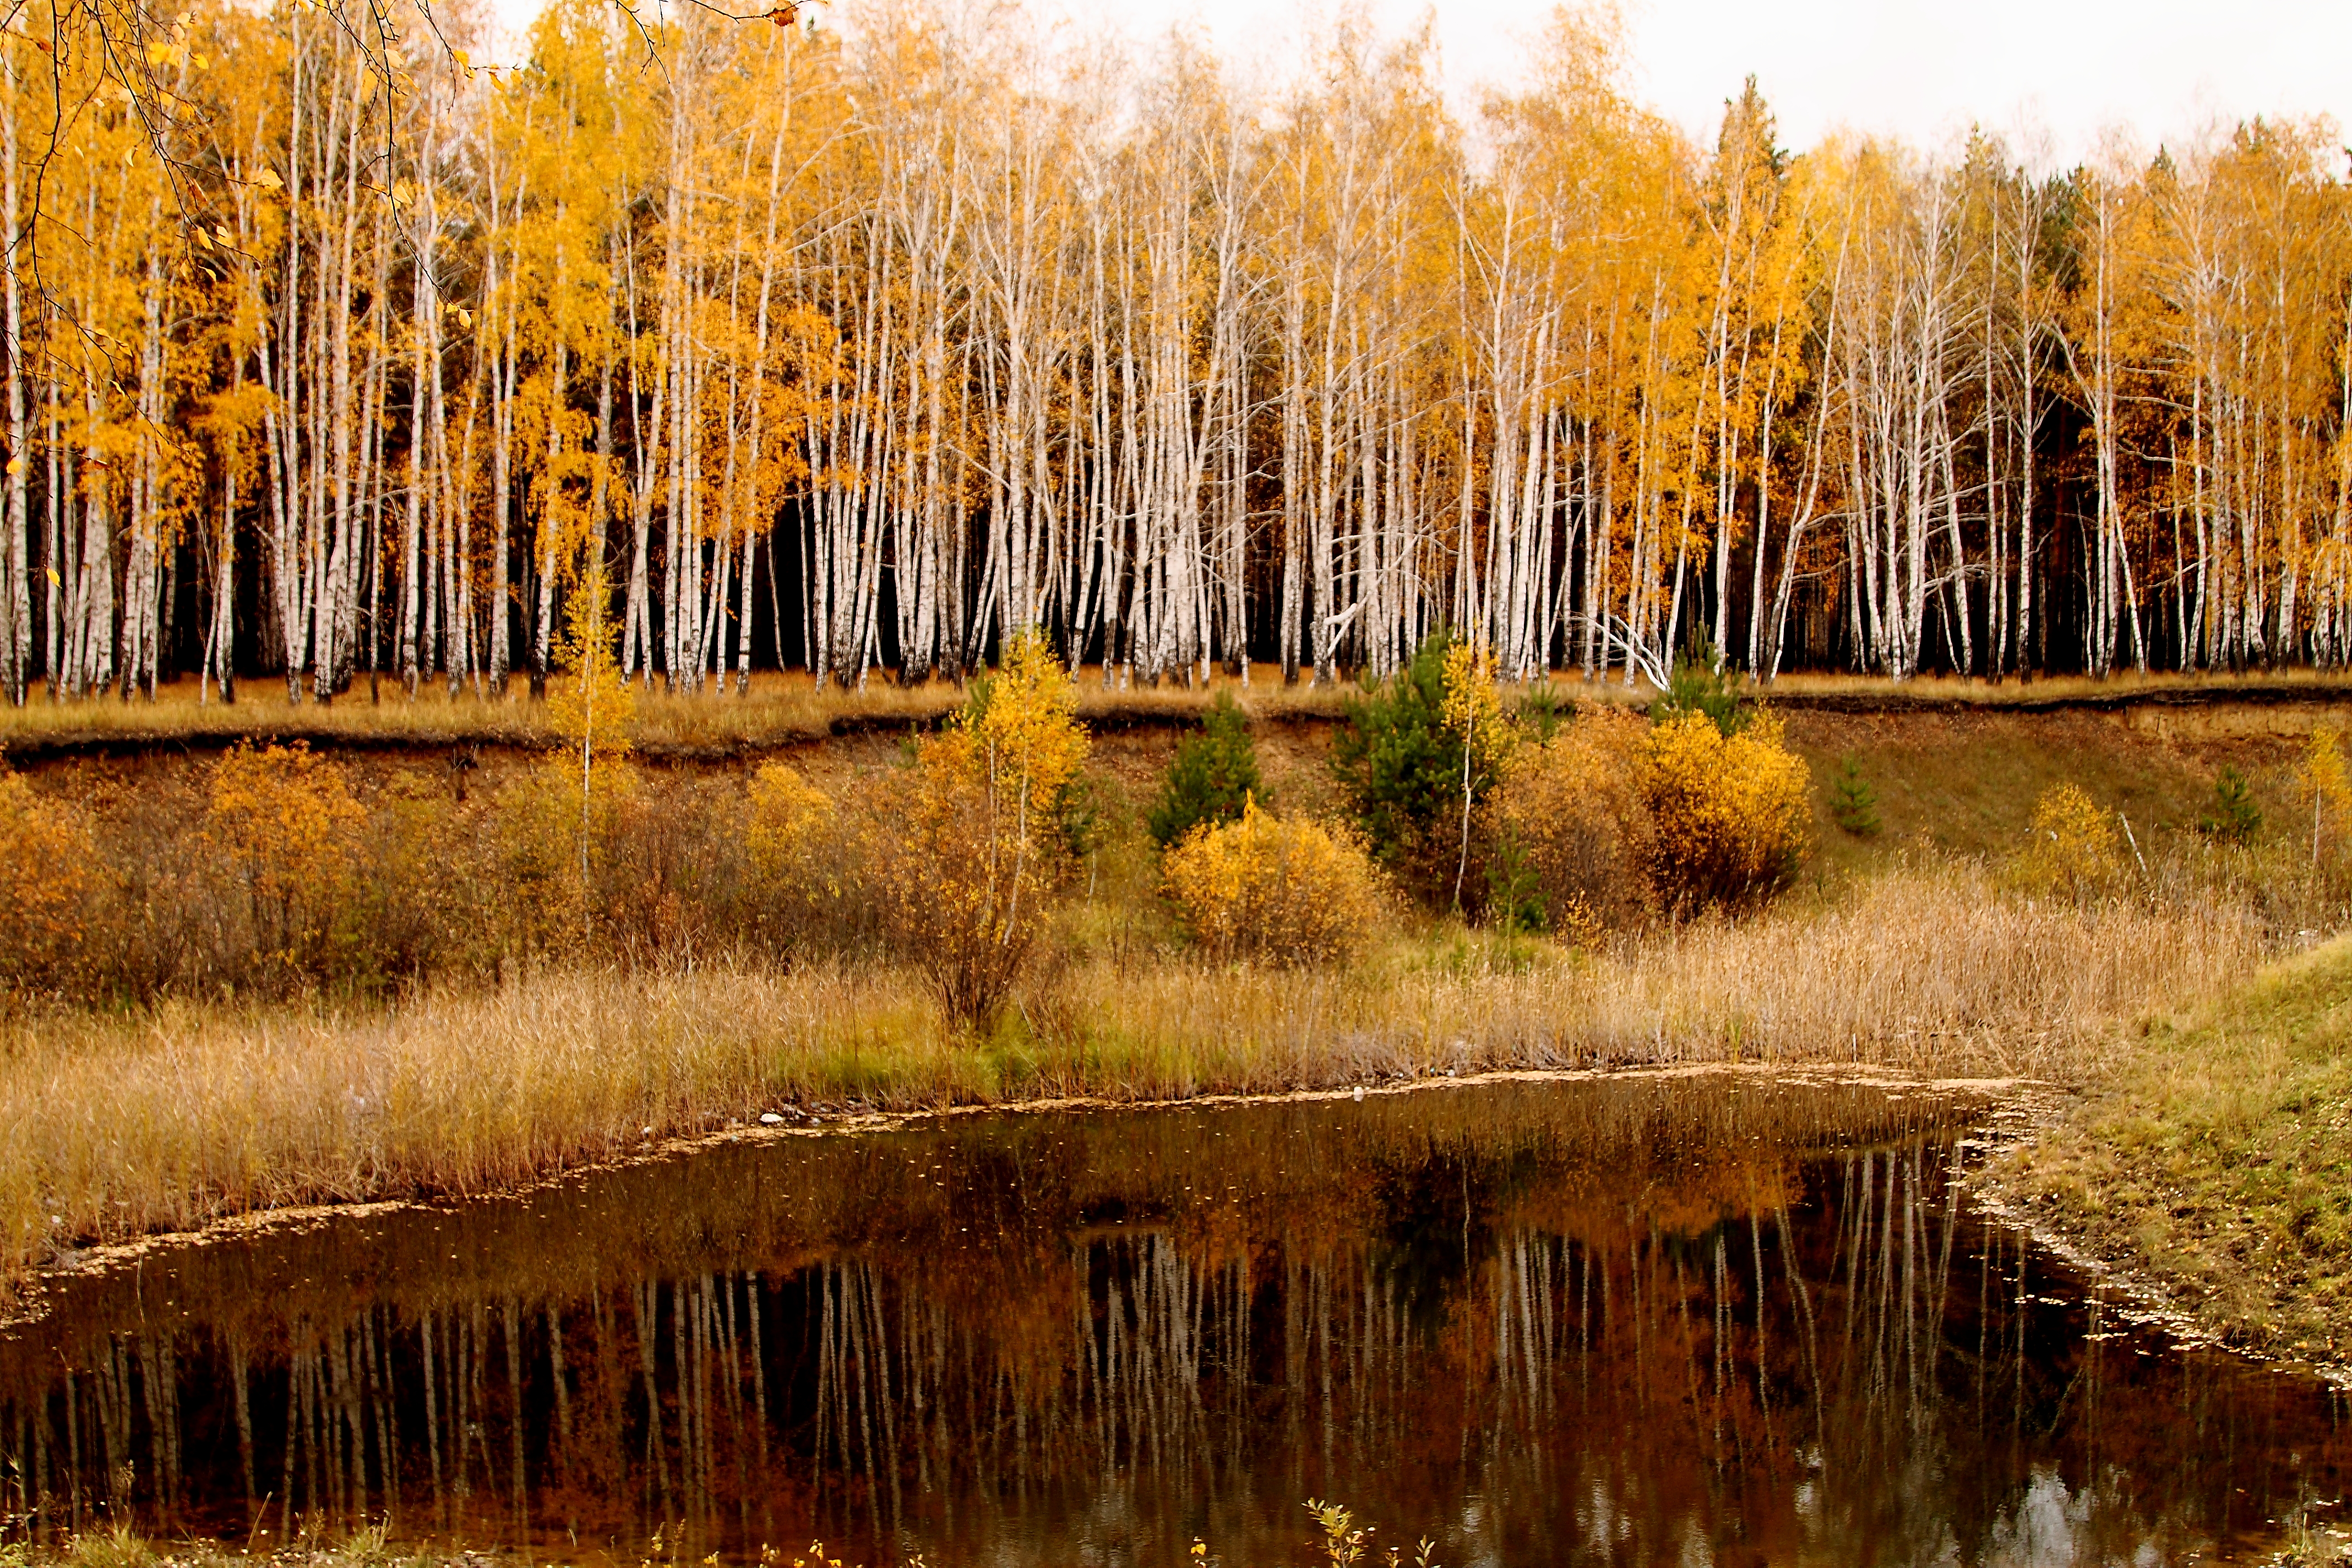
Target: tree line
x=337, y=355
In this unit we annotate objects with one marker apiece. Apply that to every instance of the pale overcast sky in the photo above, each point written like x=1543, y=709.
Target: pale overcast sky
x=1922, y=71
x=2165, y=68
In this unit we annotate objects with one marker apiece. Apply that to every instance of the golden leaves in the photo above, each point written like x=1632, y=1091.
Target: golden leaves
x=589, y=703
x=1275, y=891
x=2073, y=847
x=964, y=846
x=48, y=863
x=283, y=821
x=1729, y=811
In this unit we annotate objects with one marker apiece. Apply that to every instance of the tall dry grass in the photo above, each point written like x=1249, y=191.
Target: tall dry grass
x=124, y=1126
x=778, y=708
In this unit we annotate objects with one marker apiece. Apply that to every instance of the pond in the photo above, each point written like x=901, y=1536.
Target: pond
x=1648, y=1319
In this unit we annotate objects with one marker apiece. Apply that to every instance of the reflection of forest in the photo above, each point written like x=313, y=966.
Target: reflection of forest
x=1609, y=1321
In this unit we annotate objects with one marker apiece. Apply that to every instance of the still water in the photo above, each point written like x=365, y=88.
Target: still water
x=1644, y=1320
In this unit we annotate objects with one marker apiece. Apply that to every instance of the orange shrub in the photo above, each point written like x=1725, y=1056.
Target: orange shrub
x=964, y=848
x=1281, y=892
x=48, y=863
x=1571, y=808
x=283, y=823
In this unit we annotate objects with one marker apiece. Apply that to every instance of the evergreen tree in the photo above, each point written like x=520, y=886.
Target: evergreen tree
x=1214, y=775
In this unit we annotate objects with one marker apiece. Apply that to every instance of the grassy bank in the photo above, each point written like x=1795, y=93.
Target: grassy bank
x=173, y=1117
x=2214, y=1160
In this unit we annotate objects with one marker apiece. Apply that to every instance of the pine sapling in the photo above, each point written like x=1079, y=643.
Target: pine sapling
x=2231, y=817
x=1853, y=805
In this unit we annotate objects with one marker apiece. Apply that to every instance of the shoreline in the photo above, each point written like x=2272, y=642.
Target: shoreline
x=2208, y=1167
x=26, y=1310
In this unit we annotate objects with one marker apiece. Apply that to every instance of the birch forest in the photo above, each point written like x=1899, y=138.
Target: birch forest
x=855, y=349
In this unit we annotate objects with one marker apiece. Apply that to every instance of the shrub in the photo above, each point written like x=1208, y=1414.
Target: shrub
x=1729, y=810
x=1572, y=811
x=429, y=887
x=1474, y=712
x=2233, y=818
x=283, y=822
x=2073, y=846
x=1853, y=805
x=1400, y=766
x=565, y=837
x=1213, y=776
x=966, y=844
x=801, y=881
x=47, y=872
x=1274, y=891
x=784, y=817
x=589, y=703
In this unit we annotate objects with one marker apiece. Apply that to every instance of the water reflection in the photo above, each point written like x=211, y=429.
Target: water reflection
x=1638, y=1322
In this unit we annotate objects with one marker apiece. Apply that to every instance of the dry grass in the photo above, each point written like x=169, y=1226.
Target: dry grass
x=2215, y=1160
x=2046, y=689
x=779, y=708
x=121, y=1127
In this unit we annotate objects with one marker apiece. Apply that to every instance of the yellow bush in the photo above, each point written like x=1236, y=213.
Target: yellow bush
x=1281, y=892
x=2073, y=847
x=48, y=862
x=559, y=831
x=2324, y=777
x=1573, y=809
x=590, y=702
x=1729, y=811
x=284, y=823
x=963, y=847
x=786, y=816
x=803, y=875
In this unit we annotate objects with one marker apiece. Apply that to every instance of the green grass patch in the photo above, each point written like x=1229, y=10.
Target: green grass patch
x=2217, y=1160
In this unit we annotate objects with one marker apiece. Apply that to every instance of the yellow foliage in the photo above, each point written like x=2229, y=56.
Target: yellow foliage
x=786, y=816
x=1473, y=708
x=802, y=867
x=48, y=869
x=1020, y=732
x=589, y=702
x=1729, y=811
x=1572, y=809
x=547, y=811
x=963, y=847
x=2331, y=791
x=2073, y=846
x=1283, y=892
x=284, y=821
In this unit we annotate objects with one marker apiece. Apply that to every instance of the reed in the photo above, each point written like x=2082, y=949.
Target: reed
x=170, y=1118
